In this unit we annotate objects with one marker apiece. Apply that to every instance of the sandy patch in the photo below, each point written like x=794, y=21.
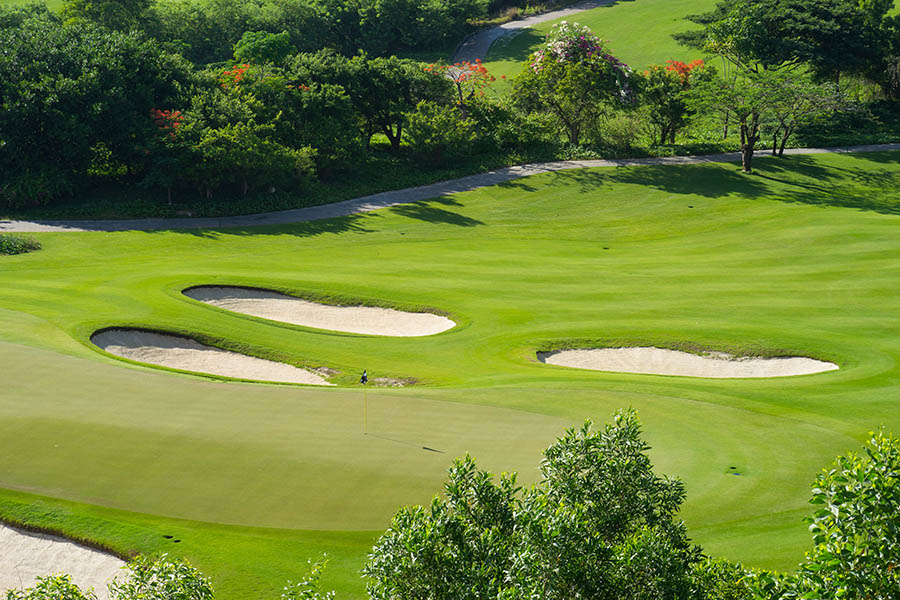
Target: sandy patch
x=189, y=355
x=25, y=555
x=367, y=320
x=659, y=361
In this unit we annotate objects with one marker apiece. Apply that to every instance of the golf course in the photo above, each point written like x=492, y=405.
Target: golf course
x=250, y=480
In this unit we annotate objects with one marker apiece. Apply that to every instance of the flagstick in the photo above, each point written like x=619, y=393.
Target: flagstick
x=365, y=409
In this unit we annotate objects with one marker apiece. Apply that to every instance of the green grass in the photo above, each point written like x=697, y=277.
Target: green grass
x=255, y=479
x=639, y=32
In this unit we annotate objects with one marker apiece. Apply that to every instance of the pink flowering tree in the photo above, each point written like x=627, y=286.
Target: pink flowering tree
x=575, y=78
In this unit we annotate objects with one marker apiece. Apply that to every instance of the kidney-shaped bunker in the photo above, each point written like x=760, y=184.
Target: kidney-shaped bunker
x=183, y=353
x=369, y=320
x=660, y=361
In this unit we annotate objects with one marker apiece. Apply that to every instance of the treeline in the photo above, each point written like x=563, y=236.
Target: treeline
x=204, y=31
x=124, y=92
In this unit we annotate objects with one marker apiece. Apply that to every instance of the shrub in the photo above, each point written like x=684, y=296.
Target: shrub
x=440, y=132
x=17, y=244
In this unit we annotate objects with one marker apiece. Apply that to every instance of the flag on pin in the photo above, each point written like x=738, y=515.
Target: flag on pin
x=365, y=378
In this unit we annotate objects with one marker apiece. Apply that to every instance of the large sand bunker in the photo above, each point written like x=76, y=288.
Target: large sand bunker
x=24, y=556
x=368, y=320
x=189, y=355
x=659, y=361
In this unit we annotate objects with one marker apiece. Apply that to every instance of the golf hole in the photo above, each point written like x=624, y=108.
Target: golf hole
x=186, y=354
x=661, y=361
x=275, y=306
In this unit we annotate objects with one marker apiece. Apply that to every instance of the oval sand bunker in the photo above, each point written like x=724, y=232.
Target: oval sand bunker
x=659, y=361
x=25, y=555
x=275, y=306
x=189, y=355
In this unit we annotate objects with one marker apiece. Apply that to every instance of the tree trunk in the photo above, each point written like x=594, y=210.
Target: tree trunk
x=394, y=139
x=747, y=158
x=784, y=140
x=775, y=143
x=169, y=194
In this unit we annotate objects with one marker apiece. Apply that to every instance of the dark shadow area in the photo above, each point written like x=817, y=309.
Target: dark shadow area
x=426, y=210
x=808, y=182
x=707, y=180
x=336, y=225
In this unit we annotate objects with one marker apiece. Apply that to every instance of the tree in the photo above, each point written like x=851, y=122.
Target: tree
x=72, y=92
x=795, y=101
x=381, y=90
x=856, y=529
x=599, y=525
x=574, y=78
x=830, y=36
x=744, y=99
x=663, y=91
x=262, y=47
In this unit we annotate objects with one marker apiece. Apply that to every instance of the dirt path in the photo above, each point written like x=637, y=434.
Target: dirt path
x=387, y=199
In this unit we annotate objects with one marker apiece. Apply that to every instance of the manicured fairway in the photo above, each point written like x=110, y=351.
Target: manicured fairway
x=639, y=32
x=801, y=258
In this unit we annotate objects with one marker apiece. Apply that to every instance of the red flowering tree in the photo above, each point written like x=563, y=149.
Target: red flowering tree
x=663, y=93
x=470, y=79
x=166, y=152
x=574, y=78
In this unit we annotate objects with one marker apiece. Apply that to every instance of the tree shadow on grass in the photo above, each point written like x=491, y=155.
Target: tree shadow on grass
x=337, y=225
x=706, y=180
x=804, y=181
x=426, y=210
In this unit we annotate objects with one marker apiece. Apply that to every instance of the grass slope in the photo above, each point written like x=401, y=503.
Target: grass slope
x=799, y=258
x=639, y=32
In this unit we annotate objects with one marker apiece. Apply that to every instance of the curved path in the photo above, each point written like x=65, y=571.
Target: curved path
x=476, y=46
x=387, y=199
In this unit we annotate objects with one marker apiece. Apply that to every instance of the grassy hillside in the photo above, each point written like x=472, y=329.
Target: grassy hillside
x=799, y=258
x=637, y=31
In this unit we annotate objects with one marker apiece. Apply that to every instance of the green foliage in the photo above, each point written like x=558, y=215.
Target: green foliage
x=309, y=588
x=67, y=90
x=11, y=243
x=261, y=47
x=161, y=579
x=439, y=132
x=573, y=78
x=856, y=527
x=663, y=92
x=599, y=525
x=53, y=587
x=244, y=155
x=115, y=14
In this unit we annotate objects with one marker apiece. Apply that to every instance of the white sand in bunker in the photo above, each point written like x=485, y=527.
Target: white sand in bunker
x=189, y=355
x=659, y=361
x=367, y=320
x=24, y=556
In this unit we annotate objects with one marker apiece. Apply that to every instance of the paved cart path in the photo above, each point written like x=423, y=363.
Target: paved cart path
x=392, y=198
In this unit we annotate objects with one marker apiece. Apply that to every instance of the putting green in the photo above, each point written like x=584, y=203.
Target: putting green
x=800, y=258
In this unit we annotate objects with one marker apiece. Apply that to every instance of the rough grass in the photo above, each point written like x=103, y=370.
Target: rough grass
x=254, y=479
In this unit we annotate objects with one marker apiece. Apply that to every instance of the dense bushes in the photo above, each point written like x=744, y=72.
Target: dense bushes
x=17, y=244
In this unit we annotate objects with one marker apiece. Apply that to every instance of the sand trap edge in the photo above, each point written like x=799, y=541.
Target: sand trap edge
x=319, y=314
x=653, y=360
x=314, y=379
x=76, y=546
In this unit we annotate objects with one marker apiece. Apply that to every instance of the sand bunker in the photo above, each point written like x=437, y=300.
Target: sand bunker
x=24, y=556
x=289, y=309
x=188, y=355
x=659, y=361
